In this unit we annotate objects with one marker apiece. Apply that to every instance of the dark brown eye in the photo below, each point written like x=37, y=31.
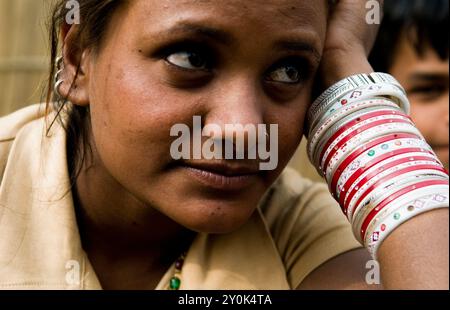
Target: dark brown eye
x=286, y=72
x=286, y=75
x=188, y=60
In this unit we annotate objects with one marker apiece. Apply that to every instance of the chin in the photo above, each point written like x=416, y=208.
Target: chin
x=218, y=217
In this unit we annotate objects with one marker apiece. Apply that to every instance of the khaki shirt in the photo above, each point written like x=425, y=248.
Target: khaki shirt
x=296, y=227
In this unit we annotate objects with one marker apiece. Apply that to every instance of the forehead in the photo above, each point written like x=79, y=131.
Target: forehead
x=245, y=17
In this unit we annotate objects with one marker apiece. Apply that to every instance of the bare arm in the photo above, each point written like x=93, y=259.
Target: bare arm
x=344, y=272
x=416, y=254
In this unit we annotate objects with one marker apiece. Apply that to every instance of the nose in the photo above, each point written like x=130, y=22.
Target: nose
x=238, y=102
x=237, y=108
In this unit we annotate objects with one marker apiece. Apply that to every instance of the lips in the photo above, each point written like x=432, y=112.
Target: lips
x=223, y=175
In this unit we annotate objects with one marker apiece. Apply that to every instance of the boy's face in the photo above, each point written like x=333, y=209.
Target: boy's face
x=425, y=79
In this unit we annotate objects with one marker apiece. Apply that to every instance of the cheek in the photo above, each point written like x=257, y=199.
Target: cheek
x=289, y=139
x=131, y=119
x=423, y=118
x=290, y=130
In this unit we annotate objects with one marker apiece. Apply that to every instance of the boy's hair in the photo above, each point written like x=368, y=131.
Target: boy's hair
x=423, y=22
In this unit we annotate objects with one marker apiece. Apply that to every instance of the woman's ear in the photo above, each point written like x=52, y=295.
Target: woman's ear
x=75, y=68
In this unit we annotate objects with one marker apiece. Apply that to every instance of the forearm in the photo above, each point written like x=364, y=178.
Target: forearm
x=340, y=65
x=416, y=254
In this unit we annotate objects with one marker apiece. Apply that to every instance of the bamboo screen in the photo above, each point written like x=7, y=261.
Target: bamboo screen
x=23, y=50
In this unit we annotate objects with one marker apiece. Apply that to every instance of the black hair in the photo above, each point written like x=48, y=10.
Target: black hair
x=424, y=22
x=95, y=16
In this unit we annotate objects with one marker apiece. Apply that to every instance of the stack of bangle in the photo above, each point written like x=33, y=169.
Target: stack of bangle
x=377, y=164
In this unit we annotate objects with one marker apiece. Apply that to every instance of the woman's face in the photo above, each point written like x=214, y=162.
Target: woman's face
x=230, y=62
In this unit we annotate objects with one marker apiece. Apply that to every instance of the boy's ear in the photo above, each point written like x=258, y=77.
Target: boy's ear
x=75, y=74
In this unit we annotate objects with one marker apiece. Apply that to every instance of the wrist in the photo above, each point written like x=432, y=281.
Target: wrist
x=376, y=163
x=337, y=65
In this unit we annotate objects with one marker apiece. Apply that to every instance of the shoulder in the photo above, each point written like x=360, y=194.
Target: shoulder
x=294, y=193
x=306, y=224
x=11, y=125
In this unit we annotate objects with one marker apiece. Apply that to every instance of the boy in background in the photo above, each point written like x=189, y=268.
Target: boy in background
x=412, y=45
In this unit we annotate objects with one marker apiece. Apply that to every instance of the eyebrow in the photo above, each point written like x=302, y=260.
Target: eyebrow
x=223, y=37
x=298, y=46
x=217, y=35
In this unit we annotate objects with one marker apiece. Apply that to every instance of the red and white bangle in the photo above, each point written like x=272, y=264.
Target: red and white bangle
x=378, y=165
x=324, y=125
x=380, y=185
x=364, y=142
x=370, y=185
x=388, y=192
x=382, y=226
x=354, y=127
x=368, y=159
x=367, y=226
x=375, y=161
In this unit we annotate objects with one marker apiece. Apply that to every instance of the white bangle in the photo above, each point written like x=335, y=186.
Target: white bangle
x=389, y=91
x=404, y=212
x=345, y=86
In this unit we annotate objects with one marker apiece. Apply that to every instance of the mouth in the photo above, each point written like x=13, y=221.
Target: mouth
x=223, y=175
